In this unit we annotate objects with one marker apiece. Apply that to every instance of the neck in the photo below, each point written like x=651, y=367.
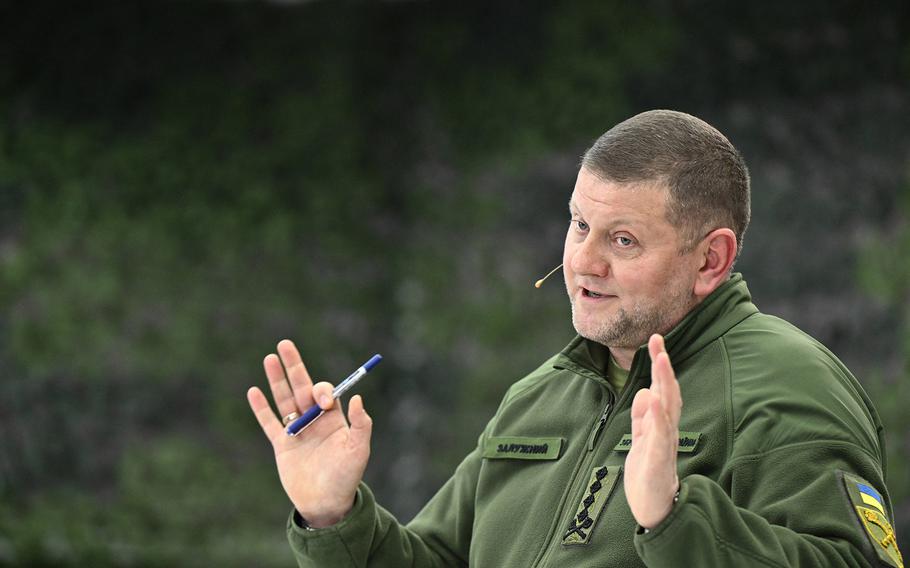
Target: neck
x=623, y=356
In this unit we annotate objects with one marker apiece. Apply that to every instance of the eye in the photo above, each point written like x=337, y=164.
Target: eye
x=580, y=225
x=623, y=241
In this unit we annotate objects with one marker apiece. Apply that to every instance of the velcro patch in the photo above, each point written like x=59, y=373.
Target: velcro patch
x=522, y=448
x=600, y=487
x=870, y=508
x=688, y=441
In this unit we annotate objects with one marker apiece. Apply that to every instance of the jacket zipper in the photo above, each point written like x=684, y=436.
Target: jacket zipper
x=585, y=459
x=586, y=456
x=598, y=428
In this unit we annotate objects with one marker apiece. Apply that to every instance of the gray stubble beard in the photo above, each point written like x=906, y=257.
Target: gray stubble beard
x=631, y=330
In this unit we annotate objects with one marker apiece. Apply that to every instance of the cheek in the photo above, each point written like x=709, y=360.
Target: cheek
x=568, y=252
x=634, y=276
x=567, y=248
x=643, y=280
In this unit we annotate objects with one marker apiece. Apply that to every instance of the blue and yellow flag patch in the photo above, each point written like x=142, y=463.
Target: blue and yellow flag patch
x=871, y=497
x=870, y=508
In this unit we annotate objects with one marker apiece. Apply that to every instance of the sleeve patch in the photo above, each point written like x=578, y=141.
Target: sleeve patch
x=871, y=497
x=870, y=508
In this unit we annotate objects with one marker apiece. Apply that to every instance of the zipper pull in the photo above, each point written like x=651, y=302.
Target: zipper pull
x=598, y=427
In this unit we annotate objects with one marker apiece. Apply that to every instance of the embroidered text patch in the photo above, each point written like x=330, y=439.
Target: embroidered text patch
x=688, y=441
x=522, y=448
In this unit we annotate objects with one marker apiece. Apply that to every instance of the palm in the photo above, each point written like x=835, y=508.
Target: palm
x=650, y=478
x=313, y=468
x=322, y=466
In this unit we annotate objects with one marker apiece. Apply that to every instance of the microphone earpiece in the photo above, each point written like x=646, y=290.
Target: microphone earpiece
x=539, y=283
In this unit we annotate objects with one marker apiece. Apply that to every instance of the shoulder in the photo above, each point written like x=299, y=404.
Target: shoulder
x=530, y=382
x=764, y=345
x=788, y=388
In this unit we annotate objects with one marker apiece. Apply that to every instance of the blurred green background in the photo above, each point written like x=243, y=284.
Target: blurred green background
x=182, y=184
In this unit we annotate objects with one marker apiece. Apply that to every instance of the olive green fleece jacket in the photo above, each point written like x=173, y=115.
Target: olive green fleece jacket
x=771, y=424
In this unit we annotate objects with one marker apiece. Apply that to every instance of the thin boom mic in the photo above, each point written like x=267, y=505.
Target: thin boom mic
x=539, y=283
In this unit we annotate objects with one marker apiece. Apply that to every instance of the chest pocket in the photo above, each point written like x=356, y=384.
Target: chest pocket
x=522, y=448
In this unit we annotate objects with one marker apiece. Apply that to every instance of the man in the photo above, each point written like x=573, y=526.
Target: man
x=682, y=427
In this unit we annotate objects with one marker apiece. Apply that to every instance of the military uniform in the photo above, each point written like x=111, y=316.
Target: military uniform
x=781, y=461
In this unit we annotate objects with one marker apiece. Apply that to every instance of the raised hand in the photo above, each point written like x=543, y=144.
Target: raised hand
x=322, y=466
x=650, y=472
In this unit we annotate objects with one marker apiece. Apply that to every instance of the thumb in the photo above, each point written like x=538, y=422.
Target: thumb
x=361, y=423
x=322, y=394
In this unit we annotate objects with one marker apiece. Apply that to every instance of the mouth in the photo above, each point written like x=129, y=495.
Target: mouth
x=593, y=295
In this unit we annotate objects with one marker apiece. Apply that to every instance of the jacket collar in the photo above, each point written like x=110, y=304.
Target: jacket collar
x=725, y=307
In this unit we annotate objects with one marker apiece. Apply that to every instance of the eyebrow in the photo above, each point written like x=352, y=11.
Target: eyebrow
x=574, y=210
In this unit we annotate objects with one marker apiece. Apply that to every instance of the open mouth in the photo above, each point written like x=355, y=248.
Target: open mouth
x=591, y=294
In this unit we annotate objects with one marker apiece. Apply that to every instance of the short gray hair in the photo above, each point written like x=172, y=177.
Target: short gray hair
x=706, y=176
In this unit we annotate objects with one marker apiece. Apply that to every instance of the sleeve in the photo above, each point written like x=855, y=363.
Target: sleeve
x=794, y=506
x=440, y=535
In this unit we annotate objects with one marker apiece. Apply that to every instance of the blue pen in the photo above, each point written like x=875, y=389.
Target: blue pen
x=314, y=412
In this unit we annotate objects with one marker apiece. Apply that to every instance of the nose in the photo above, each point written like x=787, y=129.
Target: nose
x=587, y=259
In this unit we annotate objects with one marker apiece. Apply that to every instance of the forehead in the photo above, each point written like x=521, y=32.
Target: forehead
x=640, y=203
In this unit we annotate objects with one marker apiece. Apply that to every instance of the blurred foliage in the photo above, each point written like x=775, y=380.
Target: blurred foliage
x=884, y=272
x=183, y=184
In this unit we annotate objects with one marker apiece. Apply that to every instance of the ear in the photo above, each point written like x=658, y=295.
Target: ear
x=716, y=253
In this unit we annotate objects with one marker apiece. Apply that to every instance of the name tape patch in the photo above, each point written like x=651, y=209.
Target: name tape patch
x=688, y=441
x=522, y=448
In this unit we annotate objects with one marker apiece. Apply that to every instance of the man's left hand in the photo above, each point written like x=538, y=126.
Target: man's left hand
x=650, y=473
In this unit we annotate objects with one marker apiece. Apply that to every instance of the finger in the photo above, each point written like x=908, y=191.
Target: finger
x=662, y=375
x=297, y=374
x=672, y=398
x=665, y=433
x=658, y=419
x=361, y=423
x=264, y=415
x=640, y=405
x=655, y=348
x=281, y=390
x=322, y=393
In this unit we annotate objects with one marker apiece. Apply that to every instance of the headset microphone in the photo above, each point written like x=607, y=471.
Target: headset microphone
x=540, y=282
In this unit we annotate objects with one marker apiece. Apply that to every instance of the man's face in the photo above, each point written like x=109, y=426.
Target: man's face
x=623, y=271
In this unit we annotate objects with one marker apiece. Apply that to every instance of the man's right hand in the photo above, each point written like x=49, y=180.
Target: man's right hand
x=322, y=466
